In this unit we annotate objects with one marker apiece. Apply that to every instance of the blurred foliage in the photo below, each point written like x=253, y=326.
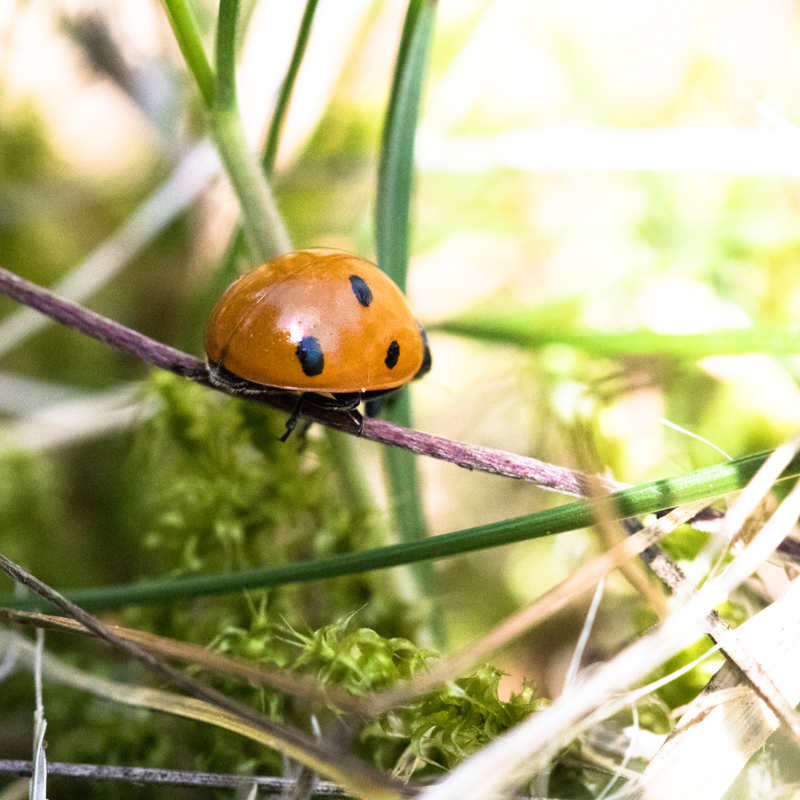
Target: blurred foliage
x=685, y=544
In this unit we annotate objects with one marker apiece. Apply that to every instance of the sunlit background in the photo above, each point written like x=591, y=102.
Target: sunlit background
x=612, y=166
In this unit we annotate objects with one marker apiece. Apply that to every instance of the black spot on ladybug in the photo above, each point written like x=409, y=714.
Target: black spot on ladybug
x=309, y=353
x=360, y=289
x=392, y=354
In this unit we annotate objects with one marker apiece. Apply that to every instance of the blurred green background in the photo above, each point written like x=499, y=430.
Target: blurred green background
x=604, y=167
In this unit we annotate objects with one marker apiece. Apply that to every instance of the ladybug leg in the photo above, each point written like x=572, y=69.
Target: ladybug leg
x=357, y=418
x=291, y=423
x=346, y=403
x=349, y=403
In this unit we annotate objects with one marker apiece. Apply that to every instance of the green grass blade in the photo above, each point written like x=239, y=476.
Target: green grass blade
x=409, y=520
x=282, y=106
x=184, y=26
x=645, y=498
x=523, y=327
x=262, y=222
x=396, y=168
x=233, y=255
x=392, y=221
x=225, y=79
x=236, y=254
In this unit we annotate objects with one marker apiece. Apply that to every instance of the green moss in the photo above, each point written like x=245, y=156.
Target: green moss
x=444, y=727
x=436, y=731
x=214, y=491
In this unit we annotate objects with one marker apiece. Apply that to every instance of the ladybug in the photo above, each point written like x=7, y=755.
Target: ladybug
x=323, y=324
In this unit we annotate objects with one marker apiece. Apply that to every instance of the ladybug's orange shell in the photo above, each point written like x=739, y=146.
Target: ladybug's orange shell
x=256, y=329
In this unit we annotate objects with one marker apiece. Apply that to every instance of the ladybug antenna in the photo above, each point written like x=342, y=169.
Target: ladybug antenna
x=291, y=423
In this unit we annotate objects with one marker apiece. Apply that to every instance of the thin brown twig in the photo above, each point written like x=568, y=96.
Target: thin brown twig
x=730, y=646
x=327, y=760
x=302, y=686
x=170, y=777
x=472, y=457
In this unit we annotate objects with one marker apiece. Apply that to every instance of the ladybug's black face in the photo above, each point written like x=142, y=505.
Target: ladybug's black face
x=427, y=358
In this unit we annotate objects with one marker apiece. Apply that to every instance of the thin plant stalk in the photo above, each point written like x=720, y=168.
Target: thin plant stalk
x=287, y=86
x=263, y=225
x=519, y=327
x=236, y=254
x=184, y=26
x=392, y=234
x=647, y=498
